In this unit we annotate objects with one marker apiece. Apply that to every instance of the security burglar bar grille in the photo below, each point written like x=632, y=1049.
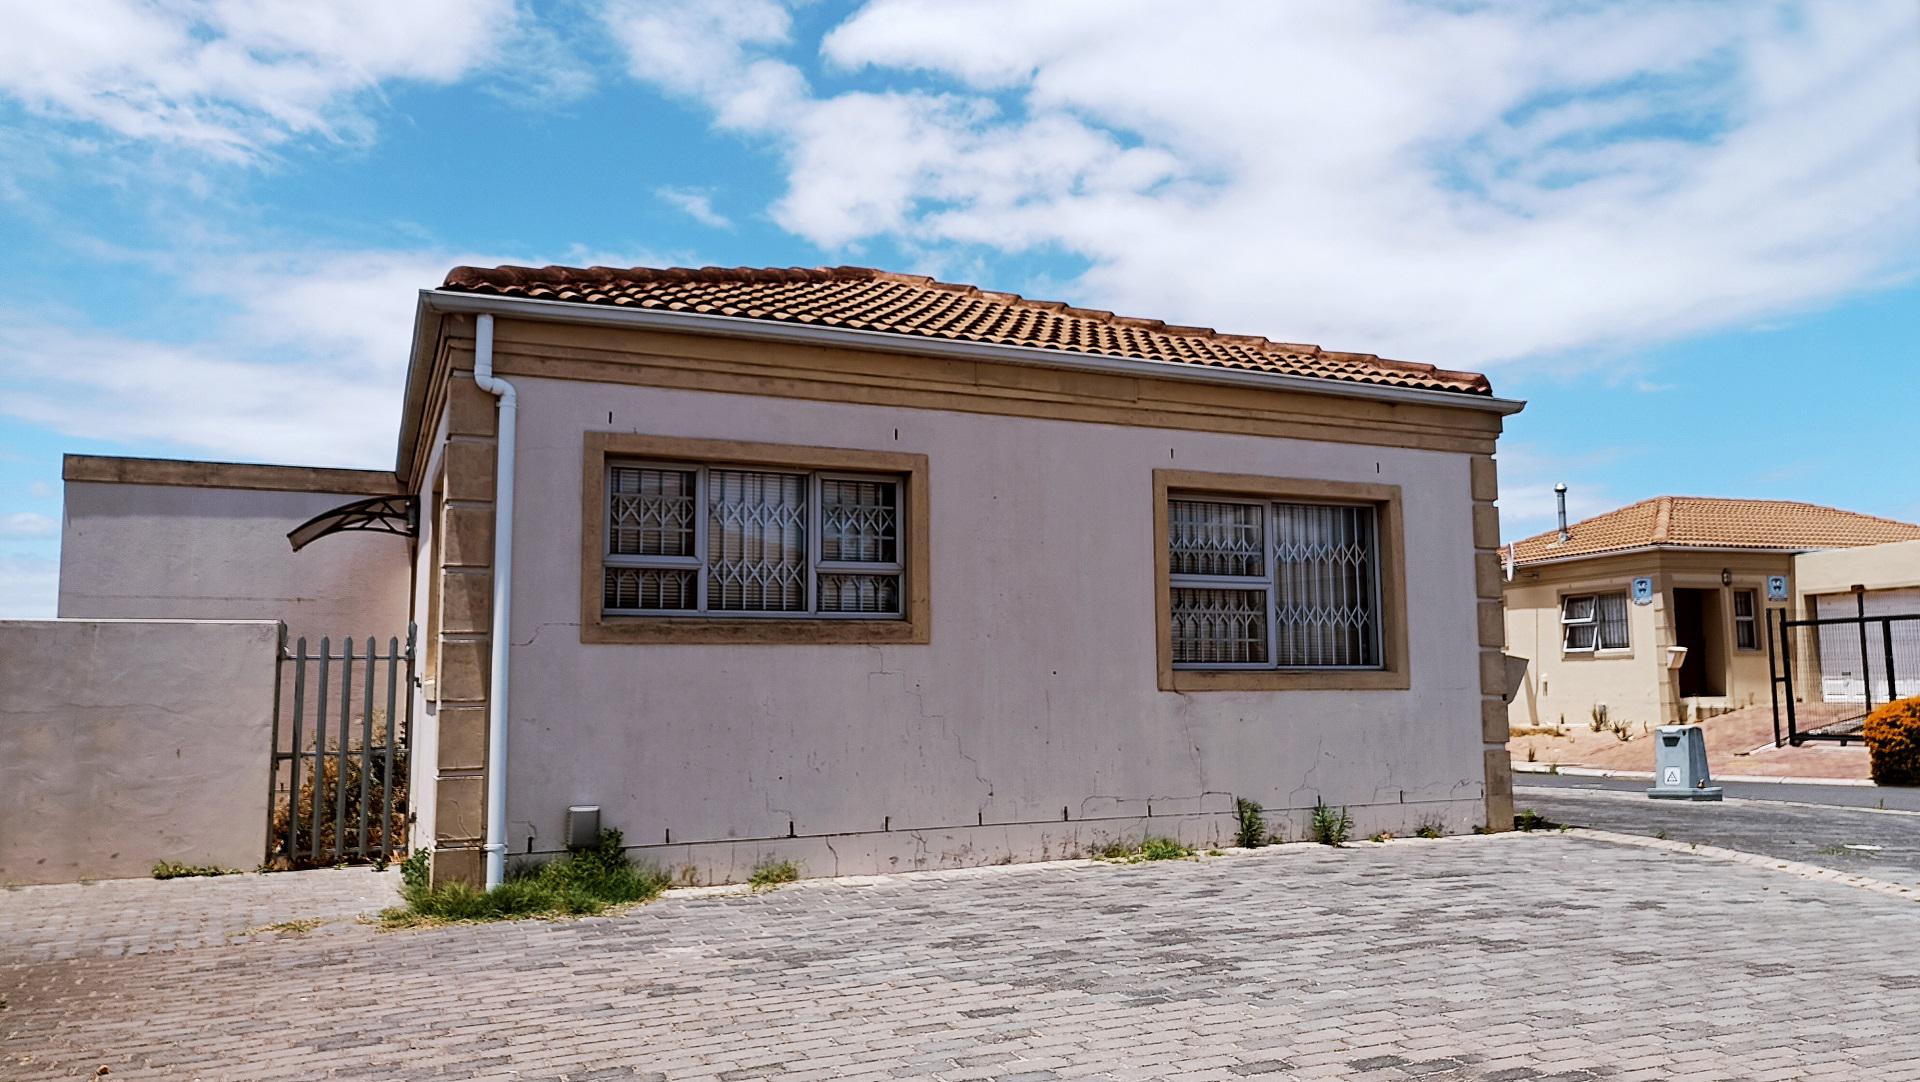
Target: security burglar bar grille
x=690, y=540
x=1273, y=585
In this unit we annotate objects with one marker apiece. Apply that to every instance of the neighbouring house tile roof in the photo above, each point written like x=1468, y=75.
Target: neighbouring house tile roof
x=1709, y=522
x=914, y=306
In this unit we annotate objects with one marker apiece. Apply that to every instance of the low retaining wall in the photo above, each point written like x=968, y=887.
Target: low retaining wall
x=126, y=742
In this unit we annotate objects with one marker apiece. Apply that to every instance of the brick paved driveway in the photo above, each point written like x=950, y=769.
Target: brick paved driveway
x=1498, y=959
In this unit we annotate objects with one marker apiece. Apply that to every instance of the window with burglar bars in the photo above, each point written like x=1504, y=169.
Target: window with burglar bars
x=1267, y=585
x=1591, y=622
x=1746, y=626
x=691, y=540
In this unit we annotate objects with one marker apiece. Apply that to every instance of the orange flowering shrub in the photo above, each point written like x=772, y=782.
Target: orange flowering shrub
x=1892, y=734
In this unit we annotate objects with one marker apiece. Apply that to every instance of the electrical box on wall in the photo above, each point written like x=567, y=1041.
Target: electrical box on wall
x=583, y=826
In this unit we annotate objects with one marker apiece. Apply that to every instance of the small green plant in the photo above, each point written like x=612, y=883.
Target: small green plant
x=1660, y=834
x=1529, y=820
x=1163, y=849
x=1252, y=833
x=1430, y=829
x=1331, y=827
x=583, y=882
x=1215, y=853
x=1597, y=718
x=1533, y=753
x=1150, y=848
x=167, y=869
x=770, y=874
x=1380, y=836
x=300, y=926
x=414, y=871
x=1622, y=731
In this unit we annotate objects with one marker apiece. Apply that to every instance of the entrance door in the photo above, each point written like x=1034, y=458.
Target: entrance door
x=1699, y=626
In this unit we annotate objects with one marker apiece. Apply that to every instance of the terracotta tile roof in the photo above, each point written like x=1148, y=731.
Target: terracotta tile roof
x=914, y=306
x=1708, y=522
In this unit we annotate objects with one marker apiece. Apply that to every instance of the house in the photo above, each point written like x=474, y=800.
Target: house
x=871, y=571
x=1659, y=611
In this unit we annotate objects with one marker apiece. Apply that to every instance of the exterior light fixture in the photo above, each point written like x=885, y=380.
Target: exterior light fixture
x=1726, y=577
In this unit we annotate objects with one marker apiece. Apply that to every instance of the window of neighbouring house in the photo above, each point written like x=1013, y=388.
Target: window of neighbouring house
x=1746, y=625
x=1591, y=622
x=1257, y=584
x=712, y=540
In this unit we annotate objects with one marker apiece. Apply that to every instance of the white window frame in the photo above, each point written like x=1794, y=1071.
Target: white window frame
x=1269, y=584
x=1752, y=619
x=1592, y=619
x=697, y=563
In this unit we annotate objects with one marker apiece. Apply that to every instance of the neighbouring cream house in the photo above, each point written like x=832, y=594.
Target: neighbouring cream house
x=1658, y=611
x=872, y=572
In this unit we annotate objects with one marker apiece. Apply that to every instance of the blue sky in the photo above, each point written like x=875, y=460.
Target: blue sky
x=1686, y=234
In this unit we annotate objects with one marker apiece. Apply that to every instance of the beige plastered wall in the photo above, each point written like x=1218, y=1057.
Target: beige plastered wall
x=1837, y=571
x=123, y=743
x=1031, y=724
x=201, y=547
x=1634, y=684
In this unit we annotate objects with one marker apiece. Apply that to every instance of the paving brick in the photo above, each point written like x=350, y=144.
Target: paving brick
x=1519, y=958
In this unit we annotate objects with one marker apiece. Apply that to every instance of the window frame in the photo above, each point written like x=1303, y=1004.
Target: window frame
x=1752, y=619
x=605, y=450
x=1592, y=620
x=1389, y=582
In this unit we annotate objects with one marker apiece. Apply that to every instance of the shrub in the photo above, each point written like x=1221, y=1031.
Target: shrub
x=584, y=882
x=771, y=874
x=1892, y=734
x=347, y=831
x=1253, y=825
x=1331, y=827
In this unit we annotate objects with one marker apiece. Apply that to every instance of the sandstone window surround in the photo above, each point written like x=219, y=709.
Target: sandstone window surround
x=721, y=541
x=1270, y=583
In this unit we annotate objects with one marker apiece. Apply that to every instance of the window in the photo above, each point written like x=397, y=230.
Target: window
x=686, y=540
x=1267, y=585
x=1746, y=628
x=720, y=540
x=1591, y=622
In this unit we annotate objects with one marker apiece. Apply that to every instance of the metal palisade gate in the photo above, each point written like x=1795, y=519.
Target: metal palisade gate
x=1830, y=670
x=342, y=729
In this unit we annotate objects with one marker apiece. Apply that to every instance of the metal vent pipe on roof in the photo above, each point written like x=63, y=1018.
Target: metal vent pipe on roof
x=1560, y=494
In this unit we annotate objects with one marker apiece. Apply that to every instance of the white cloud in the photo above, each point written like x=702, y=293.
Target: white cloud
x=694, y=204
x=232, y=78
x=304, y=366
x=29, y=587
x=1528, y=474
x=302, y=360
x=27, y=524
x=1462, y=184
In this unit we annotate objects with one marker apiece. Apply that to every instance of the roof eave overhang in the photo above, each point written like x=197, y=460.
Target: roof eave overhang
x=435, y=302
x=1641, y=550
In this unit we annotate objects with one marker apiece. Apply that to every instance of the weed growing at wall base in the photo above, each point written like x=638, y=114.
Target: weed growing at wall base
x=582, y=883
x=1122, y=852
x=1331, y=827
x=772, y=873
x=167, y=869
x=1252, y=832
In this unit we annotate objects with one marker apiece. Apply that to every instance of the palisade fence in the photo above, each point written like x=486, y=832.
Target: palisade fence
x=342, y=729
x=1831, y=670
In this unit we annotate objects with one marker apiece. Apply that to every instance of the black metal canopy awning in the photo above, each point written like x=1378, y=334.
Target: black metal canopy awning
x=380, y=514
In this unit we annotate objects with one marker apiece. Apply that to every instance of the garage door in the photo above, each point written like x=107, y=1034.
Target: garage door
x=1843, y=672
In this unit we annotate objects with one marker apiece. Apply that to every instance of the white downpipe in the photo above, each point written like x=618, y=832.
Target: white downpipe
x=502, y=599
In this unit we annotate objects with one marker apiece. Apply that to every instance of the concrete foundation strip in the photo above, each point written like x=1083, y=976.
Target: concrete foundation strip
x=1754, y=860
